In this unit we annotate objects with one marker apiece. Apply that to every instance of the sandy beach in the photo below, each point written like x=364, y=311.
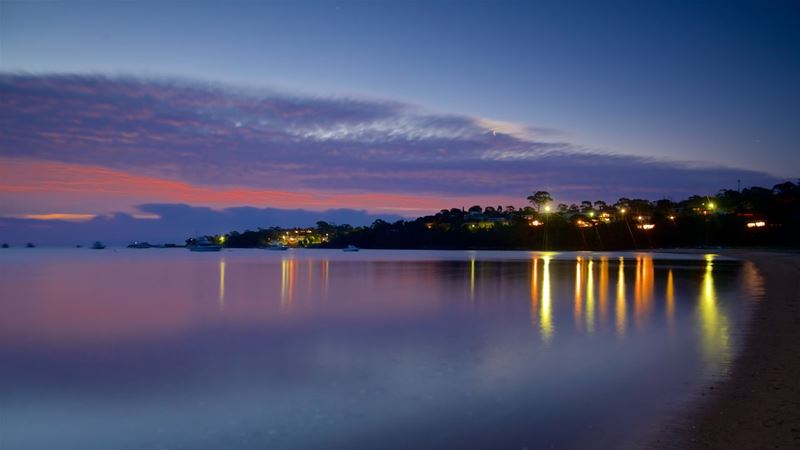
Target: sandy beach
x=758, y=407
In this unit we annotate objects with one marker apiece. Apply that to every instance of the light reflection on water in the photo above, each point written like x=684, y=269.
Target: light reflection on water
x=621, y=307
x=714, y=322
x=319, y=349
x=221, y=283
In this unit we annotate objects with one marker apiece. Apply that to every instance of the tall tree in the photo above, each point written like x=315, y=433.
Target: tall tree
x=539, y=199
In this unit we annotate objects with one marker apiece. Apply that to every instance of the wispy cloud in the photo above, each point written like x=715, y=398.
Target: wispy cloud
x=212, y=144
x=69, y=217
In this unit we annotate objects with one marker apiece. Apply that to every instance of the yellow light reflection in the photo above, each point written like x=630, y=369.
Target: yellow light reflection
x=284, y=279
x=670, y=300
x=604, y=289
x=287, y=281
x=534, y=289
x=713, y=322
x=325, y=271
x=578, y=303
x=310, y=267
x=643, y=290
x=621, y=299
x=590, y=297
x=637, y=288
x=221, y=283
x=472, y=278
x=545, y=317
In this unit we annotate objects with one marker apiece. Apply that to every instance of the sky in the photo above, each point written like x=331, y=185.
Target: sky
x=383, y=108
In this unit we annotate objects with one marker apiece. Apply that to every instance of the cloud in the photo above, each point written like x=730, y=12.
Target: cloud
x=169, y=223
x=54, y=189
x=203, y=143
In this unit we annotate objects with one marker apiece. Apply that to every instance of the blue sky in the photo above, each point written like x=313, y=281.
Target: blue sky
x=714, y=81
x=397, y=101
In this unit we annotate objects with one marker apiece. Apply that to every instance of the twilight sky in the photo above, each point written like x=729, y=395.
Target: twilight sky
x=389, y=108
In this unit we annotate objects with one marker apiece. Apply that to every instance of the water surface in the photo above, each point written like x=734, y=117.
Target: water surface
x=256, y=349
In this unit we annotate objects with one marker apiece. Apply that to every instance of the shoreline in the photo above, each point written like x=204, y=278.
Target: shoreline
x=758, y=406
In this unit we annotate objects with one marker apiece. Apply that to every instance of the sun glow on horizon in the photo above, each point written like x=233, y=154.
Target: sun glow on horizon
x=70, y=217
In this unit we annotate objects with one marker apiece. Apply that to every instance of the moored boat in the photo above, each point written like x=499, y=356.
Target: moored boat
x=350, y=248
x=98, y=245
x=276, y=247
x=204, y=245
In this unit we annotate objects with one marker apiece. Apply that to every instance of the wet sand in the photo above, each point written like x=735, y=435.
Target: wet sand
x=758, y=407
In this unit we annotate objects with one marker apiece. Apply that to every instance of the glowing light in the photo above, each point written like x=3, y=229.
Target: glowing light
x=591, y=213
x=545, y=317
x=643, y=290
x=671, y=217
x=713, y=323
x=711, y=205
x=757, y=224
x=646, y=226
x=325, y=271
x=287, y=281
x=604, y=289
x=578, y=307
x=670, y=300
x=221, y=239
x=536, y=223
x=590, y=297
x=621, y=307
x=752, y=280
x=472, y=277
x=534, y=290
x=221, y=283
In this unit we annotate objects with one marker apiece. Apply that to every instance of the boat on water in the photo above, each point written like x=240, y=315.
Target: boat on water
x=98, y=245
x=276, y=247
x=204, y=245
x=5, y=245
x=350, y=248
x=29, y=245
x=137, y=244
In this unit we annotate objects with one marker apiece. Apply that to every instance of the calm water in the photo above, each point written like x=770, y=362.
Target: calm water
x=255, y=349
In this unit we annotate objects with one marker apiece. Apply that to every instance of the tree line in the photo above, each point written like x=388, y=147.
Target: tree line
x=754, y=216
